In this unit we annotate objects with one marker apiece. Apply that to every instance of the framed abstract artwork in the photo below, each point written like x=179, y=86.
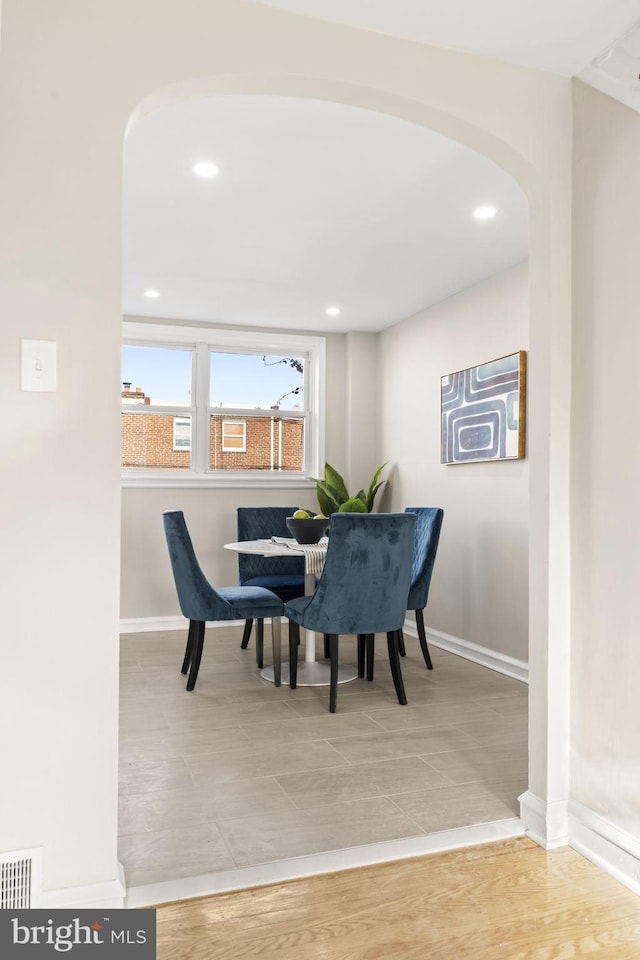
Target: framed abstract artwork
x=483, y=411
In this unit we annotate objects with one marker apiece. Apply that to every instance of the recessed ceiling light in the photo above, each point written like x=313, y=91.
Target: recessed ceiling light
x=333, y=311
x=206, y=169
x=485, y=212
x=152, y=294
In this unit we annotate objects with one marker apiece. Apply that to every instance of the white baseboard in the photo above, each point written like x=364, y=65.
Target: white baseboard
x=110, y=895
x=611, y=849
x=153, y=624
x=157, y=624
x=546, y=823
x=499, y=662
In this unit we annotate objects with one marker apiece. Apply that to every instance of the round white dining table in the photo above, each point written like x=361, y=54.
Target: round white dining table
x=311, y=672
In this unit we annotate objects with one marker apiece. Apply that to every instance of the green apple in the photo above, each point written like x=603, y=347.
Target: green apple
x=301, y=515
x=320, y=516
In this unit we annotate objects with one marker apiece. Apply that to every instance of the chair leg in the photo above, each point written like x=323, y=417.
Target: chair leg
x=246, y=634
x=277, y=649
x=401, y=648
x=361, y=648
x=294, y=643
x=327, y=650
x=193, y=624
x=422, y=637
x=196, y=656
x=260, y=644
x=333, y=688
x=394, y=661
x=370, y=639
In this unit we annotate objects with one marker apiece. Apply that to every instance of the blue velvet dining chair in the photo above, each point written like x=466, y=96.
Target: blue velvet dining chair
x=428, y=526
x=427, y=536
x=363, y=590
x=284, y=576
x=201, y=603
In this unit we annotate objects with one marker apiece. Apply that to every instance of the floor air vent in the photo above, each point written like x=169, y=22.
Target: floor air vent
x=20, y=879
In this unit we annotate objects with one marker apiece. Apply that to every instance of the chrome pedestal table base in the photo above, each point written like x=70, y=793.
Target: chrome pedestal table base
x=316, y=674
x=311, y=673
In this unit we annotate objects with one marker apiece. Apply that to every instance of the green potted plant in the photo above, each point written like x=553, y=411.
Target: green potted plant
x=334, y=497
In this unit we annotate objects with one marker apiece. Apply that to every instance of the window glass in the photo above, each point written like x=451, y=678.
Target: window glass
x=148, y=443
x=155, y=377
x=249, y=380
x=269, y=443
x=162, y=374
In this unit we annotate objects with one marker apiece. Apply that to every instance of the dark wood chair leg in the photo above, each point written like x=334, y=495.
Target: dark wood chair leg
x=394, y=661
x=333, y=689
x=196, y=655
x=361, y=651
x=246, y=634
x=294, y=643
x=260, y=644
x=277, y=649
x=401, y=648
x=422, y=637
x=327, y=651
x=193, y=625
x=370, y=643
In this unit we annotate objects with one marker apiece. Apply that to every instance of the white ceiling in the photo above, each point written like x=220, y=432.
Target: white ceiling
x=316, y=204
x=319, y=204
x=557, y=35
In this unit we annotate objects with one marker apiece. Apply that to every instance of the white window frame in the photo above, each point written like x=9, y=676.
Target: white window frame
x=235, y=423
x=203, y=340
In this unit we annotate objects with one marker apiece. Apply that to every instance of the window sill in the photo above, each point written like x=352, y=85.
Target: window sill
x=238, y=481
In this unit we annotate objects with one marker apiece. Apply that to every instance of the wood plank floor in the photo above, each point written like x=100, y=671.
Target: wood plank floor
x=506, y=901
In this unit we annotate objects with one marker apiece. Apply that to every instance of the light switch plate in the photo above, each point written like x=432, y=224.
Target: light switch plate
x=38, y=365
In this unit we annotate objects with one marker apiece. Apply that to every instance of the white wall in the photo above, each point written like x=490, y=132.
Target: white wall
x=72, y=75
x=606, y=467
x=479, y=590
x=364, y=391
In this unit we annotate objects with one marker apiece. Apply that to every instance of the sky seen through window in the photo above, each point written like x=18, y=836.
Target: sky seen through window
x=242, y=380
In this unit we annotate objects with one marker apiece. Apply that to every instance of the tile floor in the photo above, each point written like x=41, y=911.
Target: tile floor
x=239, y=773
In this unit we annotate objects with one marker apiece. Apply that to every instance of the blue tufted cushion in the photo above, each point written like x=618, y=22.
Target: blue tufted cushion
x=198, y=599
x=428, y=526
x=286, y=587
x=285, y=574
x=247, y=602
x=365, y=581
